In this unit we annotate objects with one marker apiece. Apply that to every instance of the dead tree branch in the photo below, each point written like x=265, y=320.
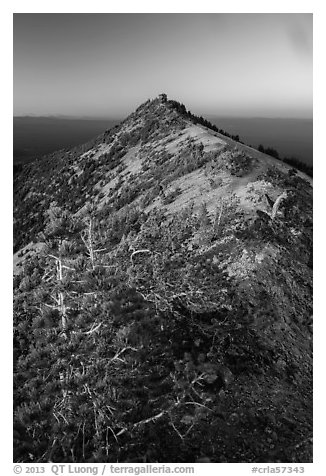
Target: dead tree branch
x=277, y=204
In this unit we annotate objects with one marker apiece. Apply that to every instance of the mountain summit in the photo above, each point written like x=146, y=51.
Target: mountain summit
x=163, y=298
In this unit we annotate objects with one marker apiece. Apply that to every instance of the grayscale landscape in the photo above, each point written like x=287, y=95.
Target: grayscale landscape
x=163, y=238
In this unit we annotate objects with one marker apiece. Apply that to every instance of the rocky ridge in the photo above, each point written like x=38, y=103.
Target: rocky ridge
x=184, y=305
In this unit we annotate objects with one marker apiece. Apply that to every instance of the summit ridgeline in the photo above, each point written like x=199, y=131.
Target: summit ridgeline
x=163, y=298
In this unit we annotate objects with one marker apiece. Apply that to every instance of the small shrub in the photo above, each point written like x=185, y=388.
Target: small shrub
x=215, y=182
x=172, y=196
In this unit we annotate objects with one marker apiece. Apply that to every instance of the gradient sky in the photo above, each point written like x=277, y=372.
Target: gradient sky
x=105, y=65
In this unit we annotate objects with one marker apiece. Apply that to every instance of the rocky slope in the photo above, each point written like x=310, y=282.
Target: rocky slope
x=163, y=292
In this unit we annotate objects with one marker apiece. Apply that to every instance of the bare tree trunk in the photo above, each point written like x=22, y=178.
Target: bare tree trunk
x=90, y=242
x=87, y=237
x=61, y=302
x=217, y=220
x=60, y=299
x=277, y=204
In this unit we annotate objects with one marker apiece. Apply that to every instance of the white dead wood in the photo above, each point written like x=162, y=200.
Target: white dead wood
x=217, y=219
x=120, y=352
x=144, y=422
x=87, y=237
x=277, y=204
x=68, y=267
x=59, y=298
x=93, y=329
x=159, y=415
x=138, y=252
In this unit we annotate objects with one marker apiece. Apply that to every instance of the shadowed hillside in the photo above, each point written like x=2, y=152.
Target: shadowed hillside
x=163, y=298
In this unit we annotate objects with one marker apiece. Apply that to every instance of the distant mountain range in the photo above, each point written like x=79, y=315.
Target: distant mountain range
x=162, y=298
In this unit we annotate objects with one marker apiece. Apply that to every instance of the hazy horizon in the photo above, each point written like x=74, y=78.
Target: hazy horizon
x=235, y=65
x=35, y=136
x=120, y=118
